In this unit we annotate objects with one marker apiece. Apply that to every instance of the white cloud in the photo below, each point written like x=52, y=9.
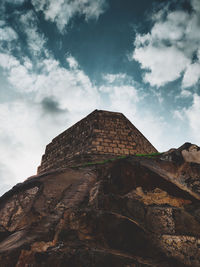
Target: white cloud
x=172, y=28
x=68, y=86
x=73, y=64
x=190, y=116
x=27, y=63
x=122, y=98
x=121, y=92
x=21, y=79
x=19, y=140
x=185, y=93
x=62, y=11
x=178, y=114
x=160, y=63
x=6, y=178
x=191, y=75
x=7, y=34
x=8, y=61
x=35, y=39
x=166, y=52
x=17, y=74
x=110, y=78
x=193, y=115
x=24, y=133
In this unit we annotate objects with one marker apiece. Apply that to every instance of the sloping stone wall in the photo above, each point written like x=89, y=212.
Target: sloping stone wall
x=101, y=132
x=115, y=134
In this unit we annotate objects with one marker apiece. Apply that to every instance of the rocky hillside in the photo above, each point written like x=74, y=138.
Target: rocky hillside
x=134, y=211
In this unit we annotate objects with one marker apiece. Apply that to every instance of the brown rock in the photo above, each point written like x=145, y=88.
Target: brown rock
x=136, y=211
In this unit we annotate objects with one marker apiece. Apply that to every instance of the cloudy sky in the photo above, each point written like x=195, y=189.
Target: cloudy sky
x=61, y=59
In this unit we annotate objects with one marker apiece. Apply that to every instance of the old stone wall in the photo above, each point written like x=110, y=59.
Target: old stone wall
x=115, y=134
x=72, y=142
x=100, y=133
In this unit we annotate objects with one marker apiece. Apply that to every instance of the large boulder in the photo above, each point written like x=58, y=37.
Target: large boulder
x=136, y=211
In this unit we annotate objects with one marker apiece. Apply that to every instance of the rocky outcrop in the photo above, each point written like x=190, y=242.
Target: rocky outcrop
x=136, y=211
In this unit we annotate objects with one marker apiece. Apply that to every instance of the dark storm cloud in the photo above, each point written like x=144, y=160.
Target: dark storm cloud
x=51, y=106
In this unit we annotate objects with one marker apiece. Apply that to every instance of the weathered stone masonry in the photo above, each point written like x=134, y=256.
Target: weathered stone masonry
x=101, y=134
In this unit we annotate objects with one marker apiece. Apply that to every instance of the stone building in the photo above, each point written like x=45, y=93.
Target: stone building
x=100, y=135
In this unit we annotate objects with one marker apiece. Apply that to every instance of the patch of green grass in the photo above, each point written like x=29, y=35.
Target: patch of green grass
x=151, y=155
x=99, y=162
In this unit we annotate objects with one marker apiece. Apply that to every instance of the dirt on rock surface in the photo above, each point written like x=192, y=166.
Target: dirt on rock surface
x=137, y=211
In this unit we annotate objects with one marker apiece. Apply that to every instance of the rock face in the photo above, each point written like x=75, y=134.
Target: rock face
x=136, y=211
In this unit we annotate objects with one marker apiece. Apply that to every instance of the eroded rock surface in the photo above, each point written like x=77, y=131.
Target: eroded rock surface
x=137, y=211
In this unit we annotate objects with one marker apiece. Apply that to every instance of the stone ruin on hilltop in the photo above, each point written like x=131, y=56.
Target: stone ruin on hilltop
x=100, y=135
